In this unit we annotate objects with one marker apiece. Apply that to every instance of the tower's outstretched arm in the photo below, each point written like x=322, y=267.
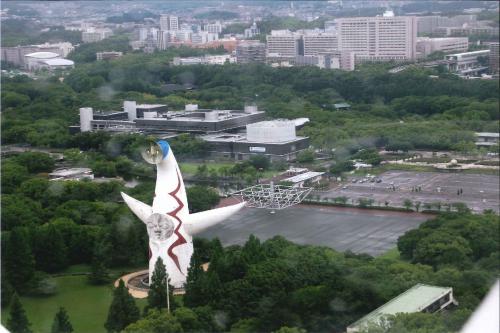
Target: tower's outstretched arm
x=139, y=208
x=198, y=222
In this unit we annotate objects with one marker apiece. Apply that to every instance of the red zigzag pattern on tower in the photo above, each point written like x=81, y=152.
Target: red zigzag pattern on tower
x=180, y=239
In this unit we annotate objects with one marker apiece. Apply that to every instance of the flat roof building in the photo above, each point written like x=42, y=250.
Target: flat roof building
x=378, y=38
x=157, y=118
x=426, y=45
x=487, y=139
x=419, y=298
x=283, y=44
x=275, y=139
x=250, y=51
x=467, y=62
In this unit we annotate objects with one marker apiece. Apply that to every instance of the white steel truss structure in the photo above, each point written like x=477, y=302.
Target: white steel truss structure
x=272, y=196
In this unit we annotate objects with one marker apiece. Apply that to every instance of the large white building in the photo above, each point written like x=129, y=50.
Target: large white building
x=95, y=35
x=315, y=42
x=46, y=60
x=378, y=38
x=467, y=62
x=426, y=45
x=283, y=44
x=169, y=22
x=214, y=28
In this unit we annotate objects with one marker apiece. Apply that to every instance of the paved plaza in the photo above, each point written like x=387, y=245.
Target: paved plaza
x=480, y=192
x=359, y=230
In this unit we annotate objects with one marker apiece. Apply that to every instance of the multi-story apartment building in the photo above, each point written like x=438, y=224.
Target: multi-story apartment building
x=204, y=37
x=284, y=44
x=96, y=35
x=378, y=38
x=426, y=45
x=252, y=31
x=250, y=51
x=494, y=57
x=315, y=42
x=214, y=28
x=169, y=22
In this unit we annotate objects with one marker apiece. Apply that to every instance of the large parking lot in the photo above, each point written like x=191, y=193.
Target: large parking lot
x=359, y=230
x=479, y=192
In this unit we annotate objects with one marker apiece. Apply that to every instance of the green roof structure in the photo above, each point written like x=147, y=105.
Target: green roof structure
x=419, y=298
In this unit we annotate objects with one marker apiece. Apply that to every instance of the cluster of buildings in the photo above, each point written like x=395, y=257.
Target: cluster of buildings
x=16, y=55
x=170, y=32
x=346, y=42
x=231, y=134
x=460, y=25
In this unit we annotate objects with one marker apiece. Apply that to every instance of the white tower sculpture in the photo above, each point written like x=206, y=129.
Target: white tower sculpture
x=169, y=224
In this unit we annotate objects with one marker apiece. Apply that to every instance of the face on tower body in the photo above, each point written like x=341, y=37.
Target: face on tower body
x=160, y=227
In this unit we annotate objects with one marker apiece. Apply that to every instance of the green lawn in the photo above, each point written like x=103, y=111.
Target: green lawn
x=190, y=168
x=87, y=305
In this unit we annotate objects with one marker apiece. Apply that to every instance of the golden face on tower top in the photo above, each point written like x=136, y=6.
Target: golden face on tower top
x=152, y=154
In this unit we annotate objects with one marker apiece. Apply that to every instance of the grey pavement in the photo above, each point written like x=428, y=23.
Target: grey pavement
x=359, y=230
x=480, y=191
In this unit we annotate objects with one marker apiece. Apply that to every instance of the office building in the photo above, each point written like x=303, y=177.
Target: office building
x=252, y=31
x=494, y=58
x=420, y=298
x=250, y=51
x=426, y=45
x=108, y=55
x=204, y=37
x=284, y=44
x=275, y=139
x=467, y=63
x=155, y=118
x=378, y=38
x=96, y=35
x=427, y=24
x=213, y=28
x=169, y=22
x=315, y=42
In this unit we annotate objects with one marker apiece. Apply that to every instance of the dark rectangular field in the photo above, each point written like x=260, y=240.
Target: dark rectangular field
x=361, y=231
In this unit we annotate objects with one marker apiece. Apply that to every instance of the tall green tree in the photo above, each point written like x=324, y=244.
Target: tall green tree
x=157, y=295
x=194, y=295
x=156, y=322
x=123, y=310
x=50, y=250
x=98, y=270
x=19, y=261
x=61, y=322
x=17, y=322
